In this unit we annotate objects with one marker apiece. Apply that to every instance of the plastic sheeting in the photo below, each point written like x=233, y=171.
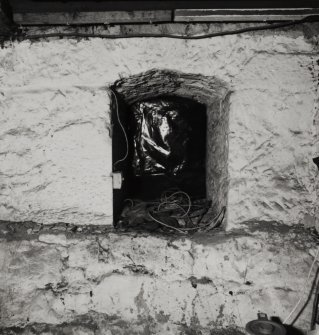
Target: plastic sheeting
x=169, y=137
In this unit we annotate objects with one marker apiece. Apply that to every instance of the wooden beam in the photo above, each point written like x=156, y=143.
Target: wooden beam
x=242, y=15
x=65, y=18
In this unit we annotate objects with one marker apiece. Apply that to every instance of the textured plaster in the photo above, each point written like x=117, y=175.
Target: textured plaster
x=56, y=87
x=55, y=156
x=55, y=166
x=130, y=284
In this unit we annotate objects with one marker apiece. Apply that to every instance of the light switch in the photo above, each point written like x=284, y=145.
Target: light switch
x=117, y=180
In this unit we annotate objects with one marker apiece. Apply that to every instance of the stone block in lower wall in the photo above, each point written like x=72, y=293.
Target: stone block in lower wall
x=110, y=283
x=55, y=159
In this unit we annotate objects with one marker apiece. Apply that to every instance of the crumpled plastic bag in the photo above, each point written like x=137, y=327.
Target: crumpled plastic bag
x=163, y=130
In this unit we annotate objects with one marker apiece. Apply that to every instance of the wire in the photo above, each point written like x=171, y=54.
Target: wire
x=166, y=225
x=315, y=308
x=310, y=18
x=169, y=205
x=160, y=211
x=304, y=288
x=216, y=220
x=185, y=230
x=166, y=201
x=123, y=129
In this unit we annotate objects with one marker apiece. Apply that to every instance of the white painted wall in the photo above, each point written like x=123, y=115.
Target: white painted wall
x=55, y=146
x=56, y=155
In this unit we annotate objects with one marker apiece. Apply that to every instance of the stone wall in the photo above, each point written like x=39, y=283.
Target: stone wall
x=93, y=282
x=55, y=130
x=74, y=274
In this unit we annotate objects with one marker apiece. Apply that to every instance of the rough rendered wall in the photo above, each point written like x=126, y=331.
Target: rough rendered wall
x=55, y=149
x=60, y=282
x=55, y=165
x=53, y=87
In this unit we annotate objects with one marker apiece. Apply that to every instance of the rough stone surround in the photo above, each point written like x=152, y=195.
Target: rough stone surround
x=211, y=92
x=92, y=280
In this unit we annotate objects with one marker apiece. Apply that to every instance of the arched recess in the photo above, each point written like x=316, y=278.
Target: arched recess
x=208, y=90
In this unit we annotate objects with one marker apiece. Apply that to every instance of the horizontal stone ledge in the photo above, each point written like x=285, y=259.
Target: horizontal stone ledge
x=28, y=230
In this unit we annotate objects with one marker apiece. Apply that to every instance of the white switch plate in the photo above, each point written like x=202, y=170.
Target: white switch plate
x=117, y=180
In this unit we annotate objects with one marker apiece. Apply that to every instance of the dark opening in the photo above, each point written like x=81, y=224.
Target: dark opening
x=166, y=148
x=176, y=179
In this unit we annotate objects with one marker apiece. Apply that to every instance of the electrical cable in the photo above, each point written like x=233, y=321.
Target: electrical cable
x=166, y=200
x=310, y=18
x=177, y=205
x=166, y=225
x=304, y=288
x=184, y=230
x=123, y=130
x=216, y=220
x=315, y=308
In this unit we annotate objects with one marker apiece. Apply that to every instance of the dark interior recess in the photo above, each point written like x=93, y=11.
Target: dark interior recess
x=167, y=148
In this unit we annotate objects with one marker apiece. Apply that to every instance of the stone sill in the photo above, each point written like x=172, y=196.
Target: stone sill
x=301, y=237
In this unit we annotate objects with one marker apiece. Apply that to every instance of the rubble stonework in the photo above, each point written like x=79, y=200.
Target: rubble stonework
x=68, y=272
x=130, y=283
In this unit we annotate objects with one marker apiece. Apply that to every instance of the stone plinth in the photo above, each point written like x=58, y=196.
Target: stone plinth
x=105, y=282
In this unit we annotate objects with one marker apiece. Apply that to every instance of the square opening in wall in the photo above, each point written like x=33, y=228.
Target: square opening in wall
x=163, y=137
